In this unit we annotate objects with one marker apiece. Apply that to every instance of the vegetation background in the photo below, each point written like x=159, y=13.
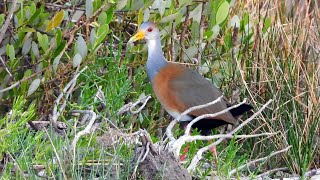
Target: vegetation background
x=61, y=57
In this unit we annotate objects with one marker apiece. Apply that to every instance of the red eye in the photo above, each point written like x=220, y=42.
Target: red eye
x=150, y=29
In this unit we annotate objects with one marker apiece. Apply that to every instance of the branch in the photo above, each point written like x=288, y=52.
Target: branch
x=5, y=67
x=86, y=130
x=258, y=160
x=198, y=156
x=187, y=132
x=66, y=91
x=176, y=120
x=7, y=22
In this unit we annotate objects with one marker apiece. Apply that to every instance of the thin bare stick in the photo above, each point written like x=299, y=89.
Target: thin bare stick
x=176, y=120
x=270, y=171
x=66, y=91
x=187, y=132
x=86, y=130
x=143, y=99
x=22, y=80
x=57, y=155
x=198, y=156
x=146, y=153
x=258, y=160
x=5, y=66
x=201, y=26
x=7, y=22
x=183, y=32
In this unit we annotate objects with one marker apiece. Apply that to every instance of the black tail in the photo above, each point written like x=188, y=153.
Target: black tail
x=240, y=110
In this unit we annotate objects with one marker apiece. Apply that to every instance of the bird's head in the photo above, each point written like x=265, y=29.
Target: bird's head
x=147, y=31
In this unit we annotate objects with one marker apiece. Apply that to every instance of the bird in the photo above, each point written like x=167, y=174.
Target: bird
x=178, y=87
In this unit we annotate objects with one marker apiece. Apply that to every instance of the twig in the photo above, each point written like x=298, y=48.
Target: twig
x=86, y=130
x=176, y=120
x=201, y=33
x=258, y=160
x=57, y=155
x=198, y=156
x=183, y=32
x=270, y=171
x=146, y=153
x=22, y=80
x=5, y=66
x=143, y=99
x=7, y=22
x=66, y=91
x=187, y=132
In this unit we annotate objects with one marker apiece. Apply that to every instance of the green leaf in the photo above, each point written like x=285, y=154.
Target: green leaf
x=101, y=34
x=140, y=17
x=35, y=49
x=56, y=21
x=222, y=12
x=1, y=19
x=10, y=51
x=266, y=25
x=35, y=16
x=58, y=37
x=102, y=18
x=43, y=41
x=110, y=13
x=24, y=84
x=33, y=86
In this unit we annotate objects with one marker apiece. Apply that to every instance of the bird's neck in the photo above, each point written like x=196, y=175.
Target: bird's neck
x=156, y=60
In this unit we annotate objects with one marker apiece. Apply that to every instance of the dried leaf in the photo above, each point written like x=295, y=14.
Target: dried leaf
x=33, y=86
x=56, y=21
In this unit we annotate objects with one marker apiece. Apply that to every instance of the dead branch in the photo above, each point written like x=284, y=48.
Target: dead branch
x=198, y=156
x=5, y=66
x=187, y=131
x=176, y=120
x=130, y=106
x=86, y=130
x=7, y=22
x=66, y=91
x=258, y=160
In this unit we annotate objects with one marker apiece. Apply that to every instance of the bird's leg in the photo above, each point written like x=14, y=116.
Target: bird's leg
x=215, y=154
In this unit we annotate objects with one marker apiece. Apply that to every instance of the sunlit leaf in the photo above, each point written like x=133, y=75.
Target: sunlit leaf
x=170, y=17
x=222, y=12
x=82, y=47
x=89, y=8
x=267, y=24
x=33, y=86
x=140, y=17
x=56, y=21
x=10, y=51
x=196, y=13
x=77, y=59
x=109, y=15
x=43, y=41
x=102, y=18
x=121, y=4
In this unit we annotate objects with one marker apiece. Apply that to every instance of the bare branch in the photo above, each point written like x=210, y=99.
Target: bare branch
x=86, y=130
x=7, y=22
x=198, y=156
x=187, y=132
x=176, y=120
x=258, y=160
x=5, y=67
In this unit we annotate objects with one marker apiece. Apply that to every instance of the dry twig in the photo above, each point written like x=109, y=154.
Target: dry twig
x=258, y=160
x=7, y=22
